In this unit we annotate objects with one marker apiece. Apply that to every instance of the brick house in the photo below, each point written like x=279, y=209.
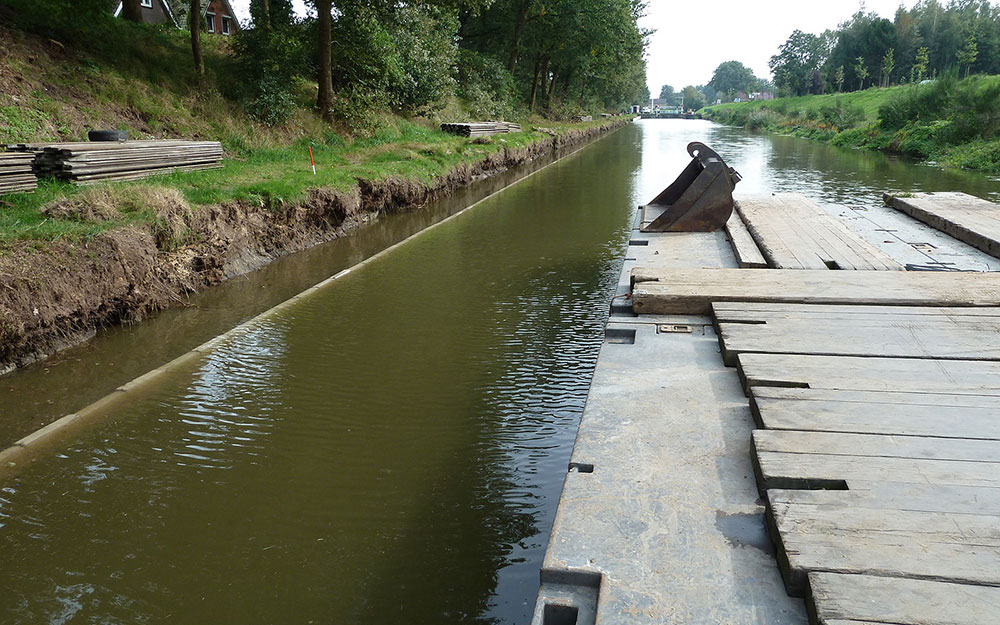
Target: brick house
x=218, y=15
x=153, y=12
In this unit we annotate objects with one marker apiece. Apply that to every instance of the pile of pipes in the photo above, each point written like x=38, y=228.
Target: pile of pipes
x=480, y=129
x=15, y=172
x=89, y=162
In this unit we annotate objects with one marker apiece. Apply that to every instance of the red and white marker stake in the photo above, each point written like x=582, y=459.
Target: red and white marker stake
x=311, y=159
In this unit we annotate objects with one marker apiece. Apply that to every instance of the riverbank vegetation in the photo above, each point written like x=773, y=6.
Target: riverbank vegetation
x=920, y=43
x=397, y=69
x=950, y=121
x=924, y=85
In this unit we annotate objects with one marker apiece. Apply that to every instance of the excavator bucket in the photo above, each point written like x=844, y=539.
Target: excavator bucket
x=700, y=200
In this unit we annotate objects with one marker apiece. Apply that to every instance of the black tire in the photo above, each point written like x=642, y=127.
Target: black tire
x=107, y=135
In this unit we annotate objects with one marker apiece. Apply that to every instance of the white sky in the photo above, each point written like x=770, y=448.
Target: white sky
x=693, y=36
x=242, y=8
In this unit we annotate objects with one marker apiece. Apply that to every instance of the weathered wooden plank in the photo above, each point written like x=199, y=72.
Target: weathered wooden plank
x=744, y=248
x=967, y=218
x=870, y=331
x=692, y=291
x=971, y=530
x=912, y=375
x=899, y=496
x=876, y=412
x=955, y=548
x=876, y=445
x=755, y=312
x=837, y=598
x=792, y=470
x=794, y=233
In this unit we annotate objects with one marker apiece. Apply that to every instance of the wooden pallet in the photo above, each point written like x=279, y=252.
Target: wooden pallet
x=967, y=218
x=794, y=233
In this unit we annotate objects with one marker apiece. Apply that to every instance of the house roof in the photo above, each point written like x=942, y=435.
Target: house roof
x=181, y=23
x=166, y=9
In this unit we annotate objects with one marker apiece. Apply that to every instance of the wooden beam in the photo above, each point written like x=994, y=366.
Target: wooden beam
x=966, y=217
x=692, y=291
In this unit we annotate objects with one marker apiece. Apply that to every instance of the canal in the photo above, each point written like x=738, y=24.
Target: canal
x=390, y=449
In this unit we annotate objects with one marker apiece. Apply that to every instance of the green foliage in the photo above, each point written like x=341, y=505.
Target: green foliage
x=693, y=100
x=731, y=77
x=488, y=89
x=948, y=121
x=796, y=61
x=18, y=124
x=268, y=61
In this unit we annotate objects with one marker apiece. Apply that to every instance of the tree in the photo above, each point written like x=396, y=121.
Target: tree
x=271, y=13
x=131, y=10
x=919, y=69
x=194, y=23
x=692, y=99
x=861, y=71
x=888, y=64
x=324, y=97
x=732, y=77
x=967, y=55
x=667, y=92
x=865, y=35
x=797, y=58
x=838, y=78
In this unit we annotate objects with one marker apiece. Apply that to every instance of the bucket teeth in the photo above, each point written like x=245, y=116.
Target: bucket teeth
x=700, y=200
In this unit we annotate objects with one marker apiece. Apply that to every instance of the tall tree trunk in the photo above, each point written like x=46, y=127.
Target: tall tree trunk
x=265, y=12
x=567, y=79
x=324, y=100
x=552, y=84
x=519, y=23
x=543, y=81
x=131, y=10
x=194, y=23
x=534, y=82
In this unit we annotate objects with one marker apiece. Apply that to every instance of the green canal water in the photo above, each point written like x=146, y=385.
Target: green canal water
x=389, y=450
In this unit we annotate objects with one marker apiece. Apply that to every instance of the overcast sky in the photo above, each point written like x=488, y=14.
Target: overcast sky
x=693, y=36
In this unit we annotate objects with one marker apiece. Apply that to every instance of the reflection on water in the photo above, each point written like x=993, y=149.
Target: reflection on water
x=390, y=449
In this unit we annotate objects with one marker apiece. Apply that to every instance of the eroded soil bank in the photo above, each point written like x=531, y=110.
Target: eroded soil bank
x=56, y=294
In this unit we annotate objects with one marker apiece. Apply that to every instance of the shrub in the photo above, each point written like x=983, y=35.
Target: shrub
x=486, y=86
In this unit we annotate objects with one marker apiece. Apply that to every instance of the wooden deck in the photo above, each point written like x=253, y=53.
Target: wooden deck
x=878, y=453
x=875, y=397
x=965, y=217
x=794, y=233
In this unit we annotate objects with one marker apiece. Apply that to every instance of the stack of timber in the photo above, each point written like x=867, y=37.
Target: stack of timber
x=480, y=129
x=966, y=217
x=794, y=233
x=89, y=162
x=878, y=450
x=15, y=172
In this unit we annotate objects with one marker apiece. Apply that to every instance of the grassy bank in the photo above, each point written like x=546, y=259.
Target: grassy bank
x=56, y=87
x=273, y=177
x=951, y=122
